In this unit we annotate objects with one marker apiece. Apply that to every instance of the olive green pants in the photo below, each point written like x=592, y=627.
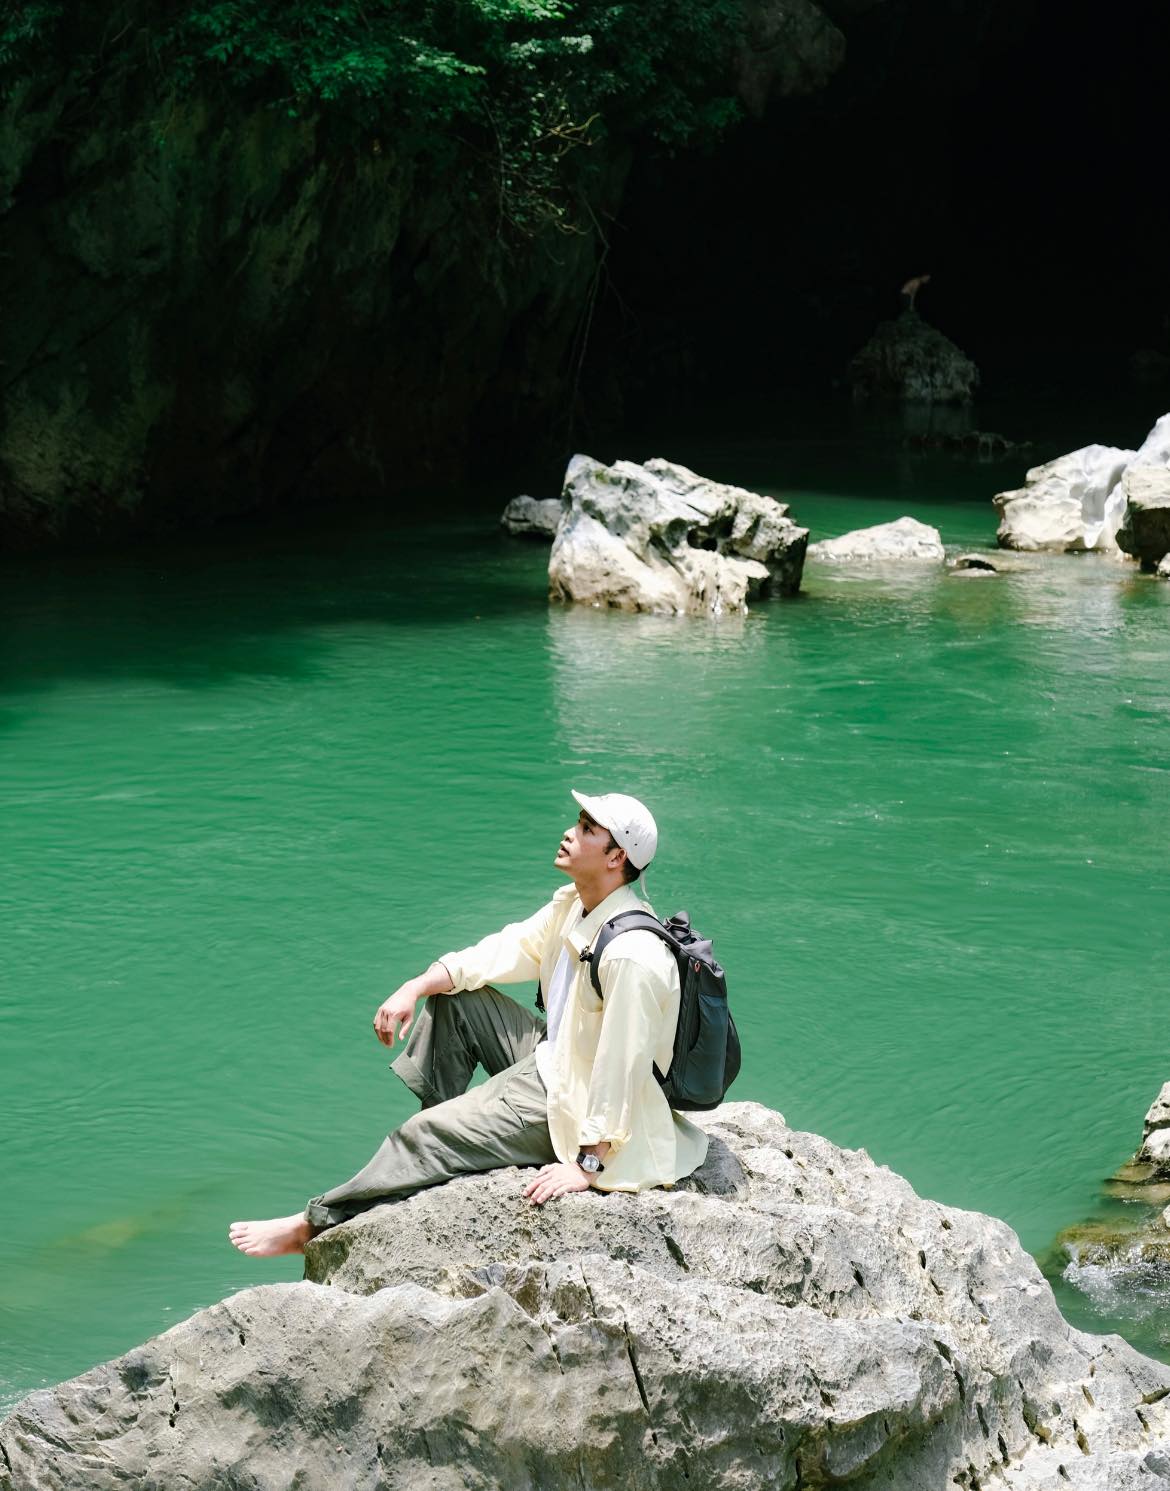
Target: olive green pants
x=502, y=1122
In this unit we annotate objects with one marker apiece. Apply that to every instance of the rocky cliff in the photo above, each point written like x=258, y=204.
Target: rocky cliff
x=792, y=1316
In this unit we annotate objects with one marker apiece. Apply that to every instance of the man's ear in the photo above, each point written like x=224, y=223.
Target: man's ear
x=616, y=864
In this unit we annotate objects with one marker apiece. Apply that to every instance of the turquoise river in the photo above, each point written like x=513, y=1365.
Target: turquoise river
x=251, y=782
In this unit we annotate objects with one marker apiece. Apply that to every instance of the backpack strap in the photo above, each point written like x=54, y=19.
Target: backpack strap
x=625, y=921
x=631, y=921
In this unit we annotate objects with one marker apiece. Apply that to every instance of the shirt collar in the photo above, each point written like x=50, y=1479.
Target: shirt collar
x=625, y=898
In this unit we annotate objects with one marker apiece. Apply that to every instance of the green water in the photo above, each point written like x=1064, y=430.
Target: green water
x=245, y=790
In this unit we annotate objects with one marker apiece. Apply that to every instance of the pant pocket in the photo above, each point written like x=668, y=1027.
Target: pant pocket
x=524, y=1095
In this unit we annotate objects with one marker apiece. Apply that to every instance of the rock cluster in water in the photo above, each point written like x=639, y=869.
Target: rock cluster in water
x=791, y=1316
x=1132, y=1235
x=1082, y=501
x=658, y=537
x=912, y=362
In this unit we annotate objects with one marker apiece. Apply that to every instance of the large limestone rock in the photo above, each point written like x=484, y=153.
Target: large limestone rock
x=1145, y=530
x=532, y=517
x=906, y=538
x=793, y=1316
x=658, y=537
x=1062, y=504
x=1079, y=501
x=909, y=360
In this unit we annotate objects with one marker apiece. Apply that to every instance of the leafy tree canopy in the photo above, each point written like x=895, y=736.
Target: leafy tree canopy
x=525, y=85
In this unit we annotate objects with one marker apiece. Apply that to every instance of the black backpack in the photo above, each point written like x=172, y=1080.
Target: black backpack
x=706, y=1045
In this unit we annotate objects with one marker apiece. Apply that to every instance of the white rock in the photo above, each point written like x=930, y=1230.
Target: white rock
x=1062, y=504
x=659, y=537
x=1163, y=569
x=906, y=538
x=1158, y=1116
x=532, y=516
x=1155, y=1149
x=1079, y=500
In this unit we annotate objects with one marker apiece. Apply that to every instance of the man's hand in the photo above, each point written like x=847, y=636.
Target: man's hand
x=556, y=1180
x=395, y=1014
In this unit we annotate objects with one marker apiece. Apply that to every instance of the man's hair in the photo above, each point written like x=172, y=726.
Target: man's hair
x=630, y=870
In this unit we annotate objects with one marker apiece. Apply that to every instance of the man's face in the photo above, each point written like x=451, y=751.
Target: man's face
x=584, y=848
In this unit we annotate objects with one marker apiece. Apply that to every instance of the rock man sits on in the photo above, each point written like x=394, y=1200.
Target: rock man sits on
x=576, y=1096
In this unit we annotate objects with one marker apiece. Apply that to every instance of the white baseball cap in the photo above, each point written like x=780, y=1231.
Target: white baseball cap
x=629, y=821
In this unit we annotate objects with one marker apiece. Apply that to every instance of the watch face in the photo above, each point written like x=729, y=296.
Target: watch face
x=589, y=1162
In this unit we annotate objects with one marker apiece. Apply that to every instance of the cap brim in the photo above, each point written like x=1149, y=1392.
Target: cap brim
x=592, y=806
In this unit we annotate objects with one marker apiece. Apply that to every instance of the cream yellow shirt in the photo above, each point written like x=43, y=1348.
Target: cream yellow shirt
x=602, y=1087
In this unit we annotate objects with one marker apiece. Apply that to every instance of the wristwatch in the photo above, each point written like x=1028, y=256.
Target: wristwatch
x=590, y=1163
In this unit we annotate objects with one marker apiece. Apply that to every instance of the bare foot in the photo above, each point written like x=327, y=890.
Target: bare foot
x=273, y=1238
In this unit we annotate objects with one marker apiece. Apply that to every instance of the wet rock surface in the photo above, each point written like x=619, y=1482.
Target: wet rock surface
x=659, y=537
x=792, y=1315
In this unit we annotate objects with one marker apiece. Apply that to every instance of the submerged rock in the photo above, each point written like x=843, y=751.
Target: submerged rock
x=792, y=1315
x=533, y=517
x=1145, y=529
x=658, y=537
x=908, y=359
x=973, y=564
x=905, y=538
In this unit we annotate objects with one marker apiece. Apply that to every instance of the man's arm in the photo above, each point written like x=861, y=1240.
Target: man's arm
x=395, y=1014
x=506, y=957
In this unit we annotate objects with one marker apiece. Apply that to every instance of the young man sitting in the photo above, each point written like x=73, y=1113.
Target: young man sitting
x=578, y=1096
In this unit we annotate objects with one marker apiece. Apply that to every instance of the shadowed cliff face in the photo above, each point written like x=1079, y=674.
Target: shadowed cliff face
x=208, y=307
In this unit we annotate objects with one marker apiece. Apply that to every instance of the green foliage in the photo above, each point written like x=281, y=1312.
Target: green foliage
x=524, y=87
x=25, y=25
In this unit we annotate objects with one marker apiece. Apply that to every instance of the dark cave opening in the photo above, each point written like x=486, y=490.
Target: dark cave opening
x=1010, y=150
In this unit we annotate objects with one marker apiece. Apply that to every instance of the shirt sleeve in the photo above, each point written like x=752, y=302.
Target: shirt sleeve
x=625, y=1050
x=506, y=957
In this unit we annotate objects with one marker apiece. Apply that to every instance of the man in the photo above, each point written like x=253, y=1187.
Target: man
x=579, y=1097
x=910, y=290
